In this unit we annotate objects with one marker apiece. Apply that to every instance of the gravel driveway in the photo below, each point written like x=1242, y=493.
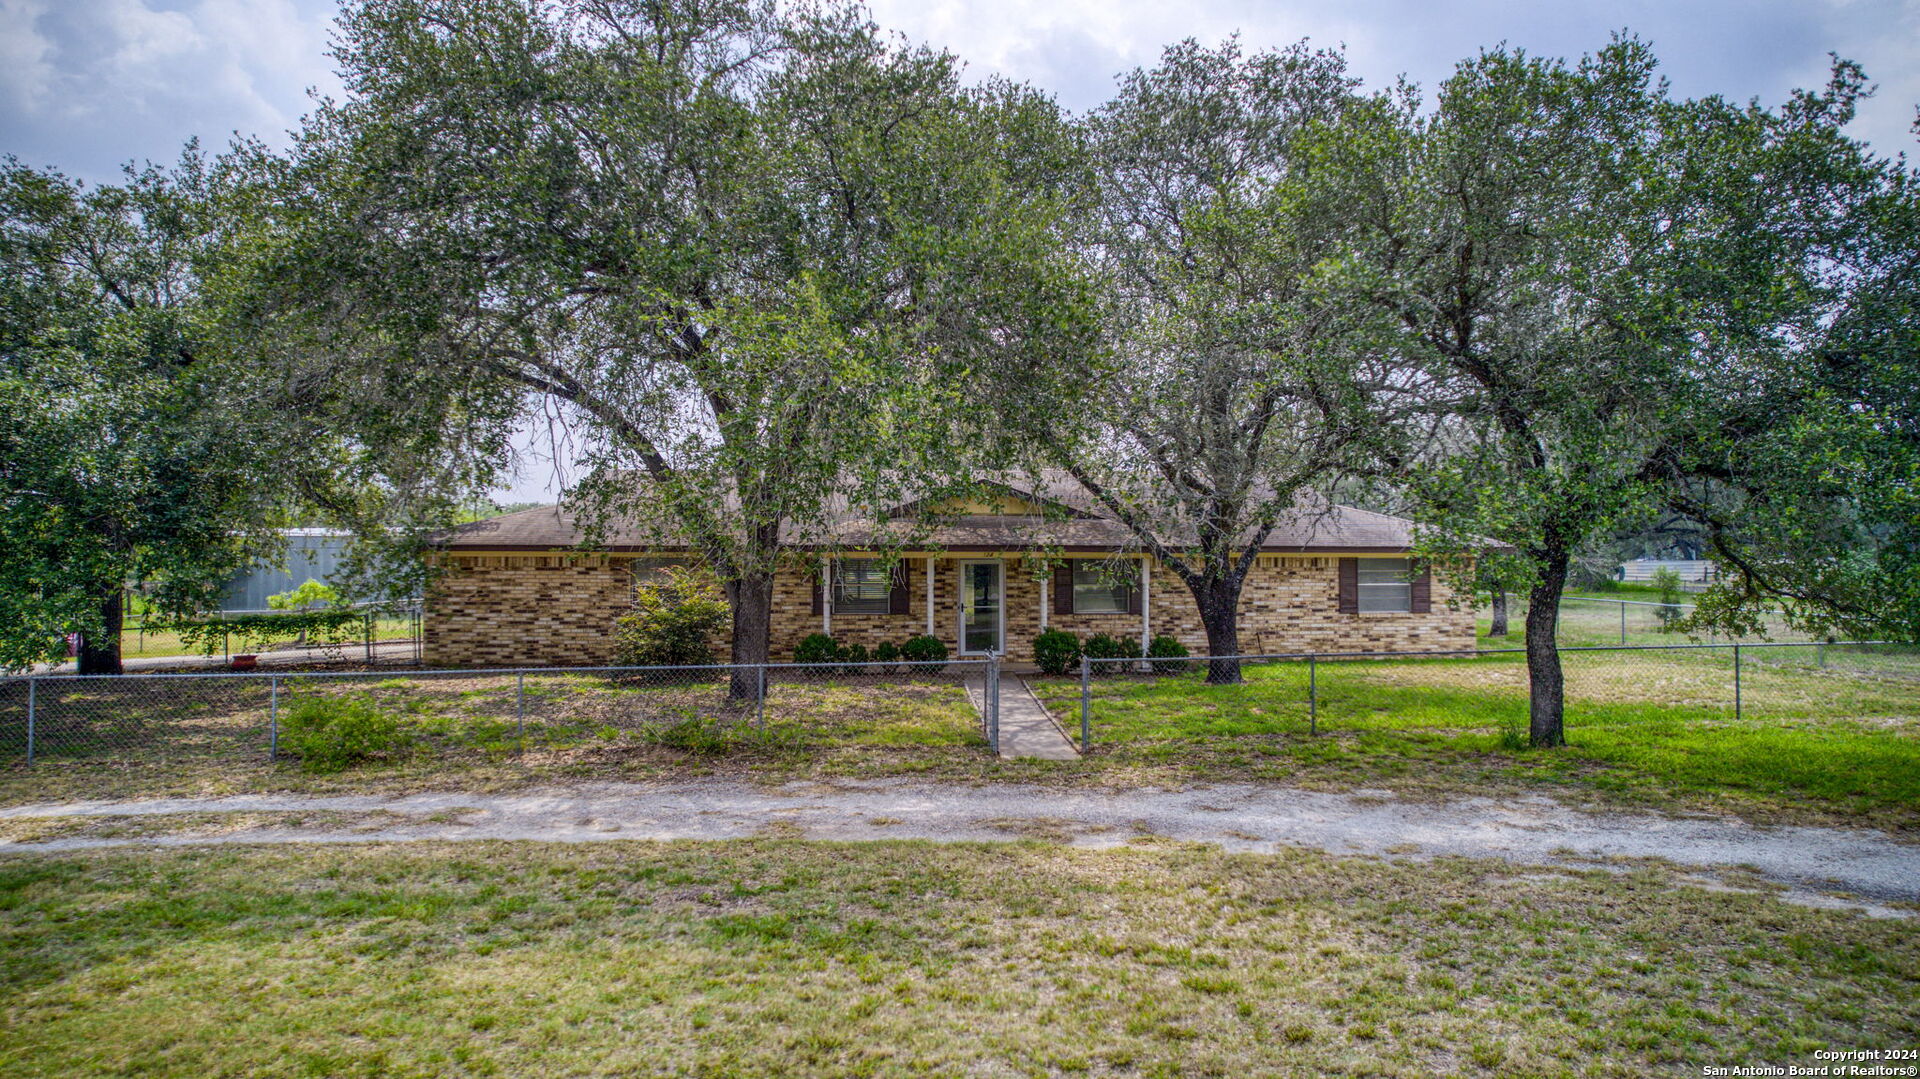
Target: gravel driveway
x=1826, y=866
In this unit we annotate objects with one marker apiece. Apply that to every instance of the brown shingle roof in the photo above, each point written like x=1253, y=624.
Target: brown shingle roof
x=1314, y=526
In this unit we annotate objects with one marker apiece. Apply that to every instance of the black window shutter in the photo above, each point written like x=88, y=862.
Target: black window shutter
x=819, y=599
x=1063, y=588
x=1422, y=591
x=900, y=598
x=1133, y=593
x=1349, y=602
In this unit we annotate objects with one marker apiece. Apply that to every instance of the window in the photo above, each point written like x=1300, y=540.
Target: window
x=1386, y=584
x=1099, y=589
x=861, y=586
x=651, y=571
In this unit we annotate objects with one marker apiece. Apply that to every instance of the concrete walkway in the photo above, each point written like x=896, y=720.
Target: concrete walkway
x=1025, y=728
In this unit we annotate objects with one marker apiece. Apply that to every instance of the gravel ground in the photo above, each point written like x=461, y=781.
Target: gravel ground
x=1823, y=866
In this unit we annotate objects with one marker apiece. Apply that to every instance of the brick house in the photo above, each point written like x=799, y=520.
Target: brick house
x=983, y=574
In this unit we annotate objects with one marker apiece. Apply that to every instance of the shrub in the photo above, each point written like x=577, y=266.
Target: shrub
x=1668, y=582
x=1102, y=646
x=672, y=621
x=853, y=655
x=1056, y=651
x=1169, y=655
x=331, y=734
x=309, y=594
x=816, y=648
x=924, y=649
x=887, y=654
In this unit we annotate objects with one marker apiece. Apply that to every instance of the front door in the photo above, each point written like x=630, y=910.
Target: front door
x=981, y=600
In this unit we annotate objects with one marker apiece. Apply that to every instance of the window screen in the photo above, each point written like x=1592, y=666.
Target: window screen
x=1099, y=589
x=1386, y=584
x=860, y=585
x=648, y=571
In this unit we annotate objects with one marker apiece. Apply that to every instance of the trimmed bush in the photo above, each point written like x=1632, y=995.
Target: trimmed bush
x=1169, y=655
x=817, y=648
x=924, y=649
x=1102, y=646
x=332, y=734
x=889, y=654
x=1056, y=651
x=854, y=654
x=672, y=621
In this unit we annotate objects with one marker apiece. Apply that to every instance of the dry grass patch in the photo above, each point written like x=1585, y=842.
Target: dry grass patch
x=773, y=957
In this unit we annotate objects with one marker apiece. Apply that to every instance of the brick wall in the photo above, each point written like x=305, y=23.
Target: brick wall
x=1288, y=605
x=527, y=609
x=524, y=610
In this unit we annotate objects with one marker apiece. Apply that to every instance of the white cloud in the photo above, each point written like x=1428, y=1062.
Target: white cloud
x=88, y=84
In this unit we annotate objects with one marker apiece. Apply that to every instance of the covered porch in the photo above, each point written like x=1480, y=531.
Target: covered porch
x=978, y=602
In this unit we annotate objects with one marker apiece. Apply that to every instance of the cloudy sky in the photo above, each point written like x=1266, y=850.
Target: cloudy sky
x=86, y=85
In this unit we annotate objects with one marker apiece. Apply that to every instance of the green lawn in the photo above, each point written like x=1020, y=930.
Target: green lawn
x=775, y=957
x=1587, y=621
x=1654, y=728
x=138, y=642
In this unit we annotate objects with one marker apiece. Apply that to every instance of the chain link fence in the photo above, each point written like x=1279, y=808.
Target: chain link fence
x=1596, y=620
x=320, y=720
x=379, y=634
x=326, y=718
x=1123, y=701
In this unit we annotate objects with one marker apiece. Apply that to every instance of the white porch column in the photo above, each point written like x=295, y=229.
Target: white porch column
x=1146, y=602
x=826, y=597
x=1046, y=598
x=930, y=595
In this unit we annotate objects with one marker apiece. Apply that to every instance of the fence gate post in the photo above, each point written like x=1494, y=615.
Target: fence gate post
x=1623, y=621
x=1736, y=683
x=760, y=698
x=273, y=717
x=368, y=620
x=1086, y=704
x=32, y=684
x=520, y=709
x=993, y=702
x=1313, y=698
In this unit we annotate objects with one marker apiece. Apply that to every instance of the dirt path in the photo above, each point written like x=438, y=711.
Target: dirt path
x=1814, y=864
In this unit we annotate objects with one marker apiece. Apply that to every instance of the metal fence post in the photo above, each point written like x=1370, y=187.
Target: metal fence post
x=1736, y=683
x=1086, y=705
x=273, y=717
x=993, y=702
x=1313, y=697
x=520, y=709
x=1623, y=622
x=760, y=699
x=32, y=684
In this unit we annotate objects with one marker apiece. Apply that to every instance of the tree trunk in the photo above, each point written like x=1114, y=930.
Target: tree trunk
x=1546, y=684
x=751, y=597
x=103, y=656
x=1219, y=603
x=1498, y=628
